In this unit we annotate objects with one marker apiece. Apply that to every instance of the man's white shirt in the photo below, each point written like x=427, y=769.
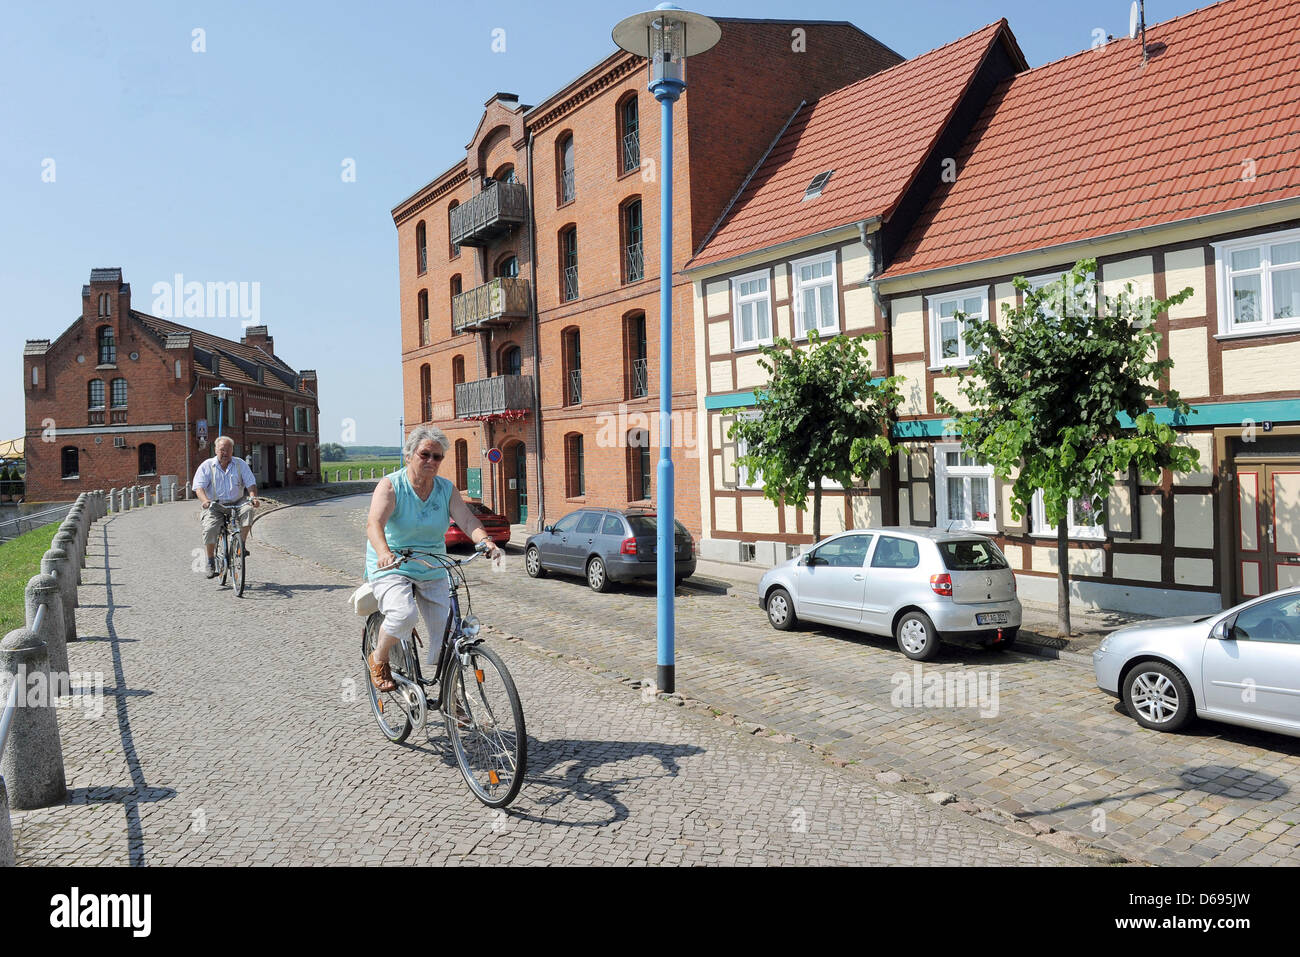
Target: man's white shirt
x=224, y=485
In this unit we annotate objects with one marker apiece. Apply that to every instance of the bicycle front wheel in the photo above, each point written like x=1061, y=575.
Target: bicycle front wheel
x=223, y=557
x=485, y=722
x=237, y=567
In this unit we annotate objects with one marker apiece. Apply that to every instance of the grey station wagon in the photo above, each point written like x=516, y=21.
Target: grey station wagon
x=606, y=545
x=919, y=585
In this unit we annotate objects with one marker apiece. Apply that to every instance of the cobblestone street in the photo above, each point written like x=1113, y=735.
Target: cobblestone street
x=1058, y=752
x=238, y=732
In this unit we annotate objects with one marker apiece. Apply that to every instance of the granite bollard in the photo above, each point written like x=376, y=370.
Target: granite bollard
x=43, y=589
x=55, y=562
x=32, y=763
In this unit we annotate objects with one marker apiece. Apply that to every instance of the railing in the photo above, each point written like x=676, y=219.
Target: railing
x=634, y=262
x=426, y=409
x=499, y=301
x=575, y=387
x=640, y=378
x=497, y=208
x=424, y=259
x=494, y=395
x=566, y=185
x=631, y=151
x=118, y=417
x=570, y=290
x=14, y=527
x=95, y=417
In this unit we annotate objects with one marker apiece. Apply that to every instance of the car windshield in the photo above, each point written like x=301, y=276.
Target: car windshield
x=649, y=524
x=478, y=508
x=975, y=555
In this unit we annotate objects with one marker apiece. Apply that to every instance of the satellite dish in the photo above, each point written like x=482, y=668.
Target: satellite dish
x=1133, y=21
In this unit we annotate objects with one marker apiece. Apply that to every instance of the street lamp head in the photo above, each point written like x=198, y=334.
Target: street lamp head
x=666, y=36
x=222, y=389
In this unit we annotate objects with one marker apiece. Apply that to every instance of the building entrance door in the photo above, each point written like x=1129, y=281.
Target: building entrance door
x=1267, y=527
x=515, y=484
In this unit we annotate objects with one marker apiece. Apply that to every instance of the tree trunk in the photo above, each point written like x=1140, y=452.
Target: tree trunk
x=817, y=511
x=1063, y=578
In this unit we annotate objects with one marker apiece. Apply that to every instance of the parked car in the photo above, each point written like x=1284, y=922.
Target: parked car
x=1240, y=666
x=497, y=526
x=919, y=585
x=606, y=545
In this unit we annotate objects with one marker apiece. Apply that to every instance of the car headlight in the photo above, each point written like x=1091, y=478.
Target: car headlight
x=1104, y=643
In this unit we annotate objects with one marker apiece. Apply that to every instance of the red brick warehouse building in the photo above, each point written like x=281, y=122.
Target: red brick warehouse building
x=123, y=398
x=529, y=271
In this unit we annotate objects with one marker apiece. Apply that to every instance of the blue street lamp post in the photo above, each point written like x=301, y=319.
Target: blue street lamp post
x=222, y=391
x=666, y=36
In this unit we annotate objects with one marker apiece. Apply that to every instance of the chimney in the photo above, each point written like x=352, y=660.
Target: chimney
x=256, y=336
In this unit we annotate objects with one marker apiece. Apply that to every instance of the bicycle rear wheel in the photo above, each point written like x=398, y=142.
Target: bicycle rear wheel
x=485, y=722
x=237, y=566
x=388, y=707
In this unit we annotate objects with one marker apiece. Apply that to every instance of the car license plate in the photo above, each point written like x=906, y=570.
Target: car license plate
x=991, y=618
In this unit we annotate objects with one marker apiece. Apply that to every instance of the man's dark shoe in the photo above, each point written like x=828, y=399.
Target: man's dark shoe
x=247, y=550
x=212, y=569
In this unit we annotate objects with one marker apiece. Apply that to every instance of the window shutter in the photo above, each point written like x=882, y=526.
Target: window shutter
x=1124, y=507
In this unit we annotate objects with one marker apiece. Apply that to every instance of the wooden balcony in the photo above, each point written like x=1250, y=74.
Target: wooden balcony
x=496, y=303
x=494, y=396
x=489, y=215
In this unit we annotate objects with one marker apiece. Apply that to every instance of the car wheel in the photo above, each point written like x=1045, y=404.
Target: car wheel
x=780, y=610
x=1009, y=636
x=533, y=563
x=916, y=636
x=596, y=576
x=1158, y=696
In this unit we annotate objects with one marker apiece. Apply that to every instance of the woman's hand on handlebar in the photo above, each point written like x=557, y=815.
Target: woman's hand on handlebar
x=387, y=560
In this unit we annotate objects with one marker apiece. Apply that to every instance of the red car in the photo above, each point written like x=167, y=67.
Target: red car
x=495, y=525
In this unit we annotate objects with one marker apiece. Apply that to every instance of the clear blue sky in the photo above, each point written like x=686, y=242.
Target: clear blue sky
x=225, y=165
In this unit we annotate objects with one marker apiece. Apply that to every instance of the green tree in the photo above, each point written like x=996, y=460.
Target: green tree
x=333, y=452
x=1047, y=386
x=820, y=416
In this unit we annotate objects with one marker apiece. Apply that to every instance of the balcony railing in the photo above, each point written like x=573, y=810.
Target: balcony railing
x=493, y=396
x=575, y=387
x=490, y=214
x=570, y=290
x=426, y=409
x=634, y=262
x=631, y=151
x=640, y=378
x=497, y=302
x=95, y=417
x=566, y=185
x=118, y=417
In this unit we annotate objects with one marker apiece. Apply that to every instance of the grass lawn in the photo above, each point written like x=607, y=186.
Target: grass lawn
x=20, y=559
x=332, y=469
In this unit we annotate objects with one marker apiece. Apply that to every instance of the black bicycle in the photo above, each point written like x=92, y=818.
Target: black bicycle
x=475, y=694
x=230, y=556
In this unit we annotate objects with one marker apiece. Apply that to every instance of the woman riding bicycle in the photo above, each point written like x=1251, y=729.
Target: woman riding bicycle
x=411, y=509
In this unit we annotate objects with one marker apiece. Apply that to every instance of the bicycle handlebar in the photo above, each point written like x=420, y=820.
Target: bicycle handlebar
x=419, y=555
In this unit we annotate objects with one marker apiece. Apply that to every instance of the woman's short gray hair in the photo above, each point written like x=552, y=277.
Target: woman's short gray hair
x=422, y=433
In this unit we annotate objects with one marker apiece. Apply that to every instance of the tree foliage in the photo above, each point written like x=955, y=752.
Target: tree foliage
x=1047, y=387
x=820, y=416
x=332, y=452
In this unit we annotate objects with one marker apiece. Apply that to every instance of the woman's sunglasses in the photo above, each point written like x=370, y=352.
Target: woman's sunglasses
x=434, y=456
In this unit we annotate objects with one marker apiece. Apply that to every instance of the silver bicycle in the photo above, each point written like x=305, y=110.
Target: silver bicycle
x=474, y=692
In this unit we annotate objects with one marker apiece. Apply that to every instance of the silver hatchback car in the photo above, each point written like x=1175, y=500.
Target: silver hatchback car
x=1240, y=666
x=919, y=585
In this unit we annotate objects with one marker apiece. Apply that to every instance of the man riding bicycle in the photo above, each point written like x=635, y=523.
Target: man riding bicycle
x=221, y=483
x=411, y=509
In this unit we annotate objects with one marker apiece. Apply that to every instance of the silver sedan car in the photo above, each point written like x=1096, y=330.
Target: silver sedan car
x=918, y=585
x=1241, y=666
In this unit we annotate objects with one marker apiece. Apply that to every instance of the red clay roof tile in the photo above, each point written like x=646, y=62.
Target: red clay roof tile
x=1097, y=143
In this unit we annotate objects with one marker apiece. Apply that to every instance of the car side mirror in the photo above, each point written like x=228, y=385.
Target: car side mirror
x=1220, y=631
x=548, y=528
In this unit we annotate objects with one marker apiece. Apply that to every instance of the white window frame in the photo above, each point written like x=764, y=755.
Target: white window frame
x=1038, y=282
x=1040, y=528
x=937, y=361
x=744, y=480
x=972, y=472
x=796, y=295
x=1223, y=274
x=738, y=302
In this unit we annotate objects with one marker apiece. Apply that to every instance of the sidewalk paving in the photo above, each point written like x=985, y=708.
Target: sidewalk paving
x=237, y=732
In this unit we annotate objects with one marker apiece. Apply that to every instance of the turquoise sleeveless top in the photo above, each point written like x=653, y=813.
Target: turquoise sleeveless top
x=415, y=524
